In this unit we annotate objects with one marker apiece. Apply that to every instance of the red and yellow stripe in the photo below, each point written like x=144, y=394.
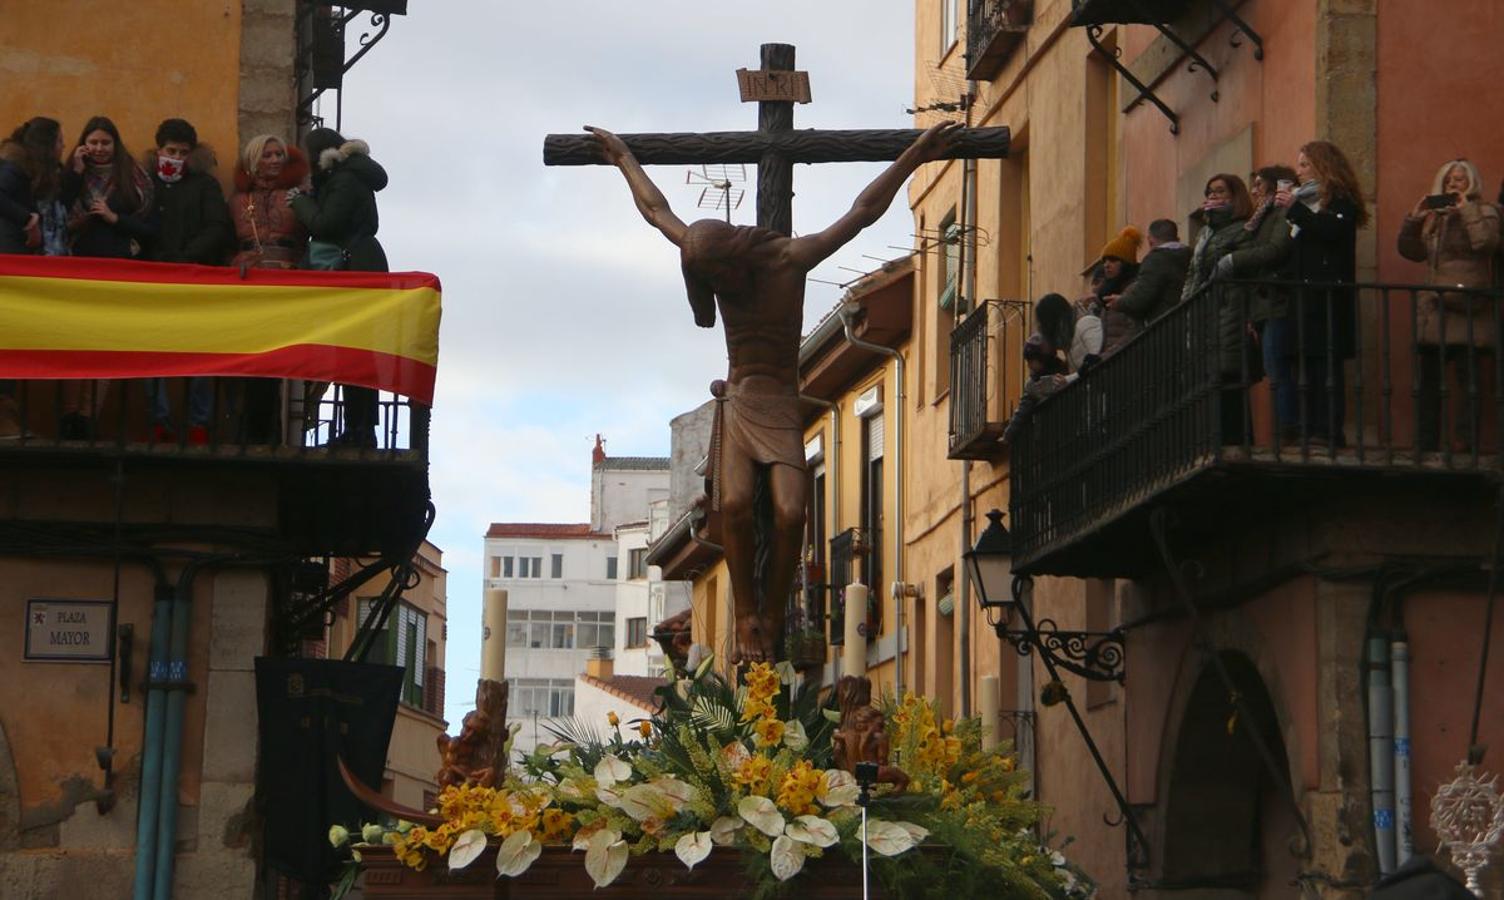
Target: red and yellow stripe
x=64, y=317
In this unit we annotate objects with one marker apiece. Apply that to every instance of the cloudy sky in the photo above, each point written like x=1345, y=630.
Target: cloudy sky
x=564, y=312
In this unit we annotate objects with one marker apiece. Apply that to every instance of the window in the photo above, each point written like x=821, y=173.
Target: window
x=637, y=563
x=872, y=504
x=517, y=628
x=637, y=632
x=506, y=567
x=563, y=633
x=611, y=568
x=402, y=641
x=950, y=24
x=495, y=567
x=815, y=597
x=529, y=567
x=546, y=697
x=951, y=303
x=544, y=629
x=557, y=570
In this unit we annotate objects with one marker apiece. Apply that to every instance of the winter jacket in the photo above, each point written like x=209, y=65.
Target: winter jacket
x=342, y=209
x=126, y=238
x=1221, y=236
x=1263, y=257
x=267, y=232
x=1323, y=251
x=192, y=220
x=1458, y=246
x=1157, y=288
x=16, y=203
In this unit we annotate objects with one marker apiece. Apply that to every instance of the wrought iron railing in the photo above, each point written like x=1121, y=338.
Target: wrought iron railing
x=993, y=29
x=1363, y=379
x=261, y=418
x=986, y=376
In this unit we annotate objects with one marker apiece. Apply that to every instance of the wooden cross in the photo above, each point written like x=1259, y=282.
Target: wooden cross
x=775, y=146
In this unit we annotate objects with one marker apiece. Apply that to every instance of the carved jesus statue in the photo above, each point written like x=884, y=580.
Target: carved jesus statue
x=757, y=278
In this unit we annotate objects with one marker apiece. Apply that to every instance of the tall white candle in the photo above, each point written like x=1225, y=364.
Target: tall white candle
x=493, y=643
x=854, y=652
x=987, y=696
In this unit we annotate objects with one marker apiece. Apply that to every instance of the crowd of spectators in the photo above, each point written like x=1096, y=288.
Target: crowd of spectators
x=98, y=200
x=1277, y=256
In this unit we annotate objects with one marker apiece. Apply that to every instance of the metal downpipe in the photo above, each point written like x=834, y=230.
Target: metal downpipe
x=172, y=752
x=151, y=751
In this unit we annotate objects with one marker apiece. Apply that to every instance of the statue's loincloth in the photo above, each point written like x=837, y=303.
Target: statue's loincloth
x=765, y=426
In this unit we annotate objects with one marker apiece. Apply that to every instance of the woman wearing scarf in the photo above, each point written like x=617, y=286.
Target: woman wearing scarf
x=1325, y=213
x=1458, y=243
x=1225, y=209
x=109, y=200
x=1262, y=257
x=268, y=235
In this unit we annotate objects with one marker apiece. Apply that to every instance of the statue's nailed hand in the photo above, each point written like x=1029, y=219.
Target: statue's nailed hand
x=937, y=140
x=613, y=149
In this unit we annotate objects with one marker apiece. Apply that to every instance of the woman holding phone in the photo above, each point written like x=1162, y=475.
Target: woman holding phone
x=1456, y=234
x=1325, y=212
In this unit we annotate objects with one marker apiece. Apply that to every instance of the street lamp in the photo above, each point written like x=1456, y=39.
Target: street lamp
x=1096, y=656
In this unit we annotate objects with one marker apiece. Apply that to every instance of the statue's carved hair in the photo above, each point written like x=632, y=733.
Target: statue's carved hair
x=711, y=240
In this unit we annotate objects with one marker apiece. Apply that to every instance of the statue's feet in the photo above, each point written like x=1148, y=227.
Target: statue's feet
x=754, y=643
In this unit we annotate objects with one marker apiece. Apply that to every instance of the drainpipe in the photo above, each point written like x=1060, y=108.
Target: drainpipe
x=832, y=474
x=848, y=311
x=968, y=263
x=1399, y=676
x=1381, y=751
x=151, y=751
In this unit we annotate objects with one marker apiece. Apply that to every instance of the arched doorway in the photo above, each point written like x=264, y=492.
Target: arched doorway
x=1227, y=826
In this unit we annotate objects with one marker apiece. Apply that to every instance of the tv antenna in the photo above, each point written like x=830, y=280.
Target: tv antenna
x=719, y=186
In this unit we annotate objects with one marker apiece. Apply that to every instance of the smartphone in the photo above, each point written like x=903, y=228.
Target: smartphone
x=1439, y=201
x=1284, y=184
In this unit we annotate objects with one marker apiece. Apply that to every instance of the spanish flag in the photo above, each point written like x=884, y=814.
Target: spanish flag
x=66, y=317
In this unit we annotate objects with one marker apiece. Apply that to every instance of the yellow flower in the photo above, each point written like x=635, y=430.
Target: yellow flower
x=753, y=773
x=797, y=792
x=613, y=719
x=969, y=777
x=645, y=728
x=768, y=732
x=557, y=825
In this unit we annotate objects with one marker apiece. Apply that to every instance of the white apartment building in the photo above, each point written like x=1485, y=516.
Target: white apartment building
x=562, y=581
x=643, y=598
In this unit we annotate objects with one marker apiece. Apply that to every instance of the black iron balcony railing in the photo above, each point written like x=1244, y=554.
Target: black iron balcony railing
x=986, y=374
x=217, y=417
x=1365, y=378
x=994, y=29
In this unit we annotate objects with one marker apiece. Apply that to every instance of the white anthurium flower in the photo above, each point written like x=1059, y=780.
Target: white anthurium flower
x=355, y=855
x=519, y=851
x=611, y=796
x=583, y=836
x=723, y=830
x=785, y=671
x=734, y=754
x=606, y=856
x=812, y=830
x=371, y=833
x=838, y=788
x=339, y=835
x=787, y=857
x=917, y=832
x=649, y=801
x=794, y=736
x=1057, y=859
x=404, y=826
x=573, y=789
x=692, y=848
x=610, y=770
x=466, y=848
x=761, y=814
x=888, y=838
x=681, y=792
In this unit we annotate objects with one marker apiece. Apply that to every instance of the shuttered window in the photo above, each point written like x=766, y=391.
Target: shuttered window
x=874, y=438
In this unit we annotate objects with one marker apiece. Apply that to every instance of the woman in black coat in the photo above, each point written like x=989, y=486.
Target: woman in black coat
x=341, y=219
x=1325, y=213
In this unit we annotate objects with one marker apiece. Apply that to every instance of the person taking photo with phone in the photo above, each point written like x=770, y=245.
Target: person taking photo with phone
x=1456, y=234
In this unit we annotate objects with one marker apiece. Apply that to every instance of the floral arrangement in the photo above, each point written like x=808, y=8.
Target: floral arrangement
x=751, y=767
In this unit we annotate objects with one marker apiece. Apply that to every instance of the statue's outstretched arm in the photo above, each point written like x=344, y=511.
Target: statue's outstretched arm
x=650, y=201
x=810, y=250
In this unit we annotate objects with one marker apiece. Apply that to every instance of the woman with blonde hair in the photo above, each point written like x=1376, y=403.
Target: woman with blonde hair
x=1325, y=212
x=1456, y=234
x=267, y=236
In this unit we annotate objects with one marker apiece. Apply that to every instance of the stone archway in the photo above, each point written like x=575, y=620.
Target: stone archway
x=1226, y=827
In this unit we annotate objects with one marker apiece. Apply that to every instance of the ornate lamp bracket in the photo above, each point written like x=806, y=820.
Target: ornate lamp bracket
x=1093, y=655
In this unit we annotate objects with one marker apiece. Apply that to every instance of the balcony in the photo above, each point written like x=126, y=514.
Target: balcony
x=88, y=343
x=994, y=29
x=986, y=374
x=1157, y=424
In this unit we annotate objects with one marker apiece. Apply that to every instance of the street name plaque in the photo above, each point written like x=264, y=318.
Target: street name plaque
x=69, y=630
